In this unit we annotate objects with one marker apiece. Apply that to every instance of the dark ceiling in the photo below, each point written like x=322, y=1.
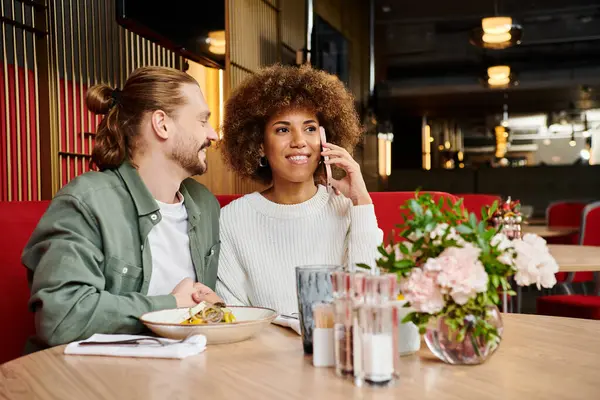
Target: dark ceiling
x=426, y=65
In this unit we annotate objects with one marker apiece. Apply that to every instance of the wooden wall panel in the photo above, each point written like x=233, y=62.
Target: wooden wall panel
x=253, y=34
x=88, y=47
x=331, y=11
x=293, y=24
x=19, y=103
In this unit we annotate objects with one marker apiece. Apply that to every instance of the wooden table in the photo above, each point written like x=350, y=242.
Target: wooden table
x=573, y=258
x=535, y=221
x=548, y=232
x=539, y=358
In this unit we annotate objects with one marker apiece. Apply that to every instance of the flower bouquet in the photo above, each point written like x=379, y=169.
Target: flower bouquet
x=453, y=270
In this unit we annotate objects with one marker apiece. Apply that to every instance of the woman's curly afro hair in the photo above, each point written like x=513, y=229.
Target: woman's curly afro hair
x=275, y=89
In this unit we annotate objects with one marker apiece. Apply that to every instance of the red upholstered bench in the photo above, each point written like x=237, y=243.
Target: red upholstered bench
x=574, y=306
x=474, y=202
x=225, y=199
x=18, y=220
x=387, y=208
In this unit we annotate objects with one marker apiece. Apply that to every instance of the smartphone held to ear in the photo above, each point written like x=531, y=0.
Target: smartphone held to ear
x=325, y=158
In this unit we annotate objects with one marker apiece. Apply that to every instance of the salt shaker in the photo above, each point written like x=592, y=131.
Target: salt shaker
x=377, y=344
x=323, y=335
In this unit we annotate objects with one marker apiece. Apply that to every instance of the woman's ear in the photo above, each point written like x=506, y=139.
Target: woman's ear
x=262, y=150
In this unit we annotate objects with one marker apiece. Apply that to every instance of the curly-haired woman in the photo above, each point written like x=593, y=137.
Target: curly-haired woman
x=271, y=135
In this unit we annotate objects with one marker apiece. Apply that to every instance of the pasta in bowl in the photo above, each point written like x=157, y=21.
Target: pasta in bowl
x=219, y=323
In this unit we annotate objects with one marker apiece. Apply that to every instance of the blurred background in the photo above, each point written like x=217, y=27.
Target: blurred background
x=497, y=97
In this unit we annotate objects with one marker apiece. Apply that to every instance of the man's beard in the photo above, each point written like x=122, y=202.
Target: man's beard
x=188, y=157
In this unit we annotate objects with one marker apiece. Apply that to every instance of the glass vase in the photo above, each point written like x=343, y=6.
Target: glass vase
x=444, y=343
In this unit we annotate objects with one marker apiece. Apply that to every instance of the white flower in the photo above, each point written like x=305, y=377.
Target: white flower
x=414, y=236
x=507, y=258
x=502, y=241
x=432, y=265
x=440, y=230
x=398, y=253
x=534, y=263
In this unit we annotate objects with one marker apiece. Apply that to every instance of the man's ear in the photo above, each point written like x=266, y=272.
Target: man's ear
x=159, y=122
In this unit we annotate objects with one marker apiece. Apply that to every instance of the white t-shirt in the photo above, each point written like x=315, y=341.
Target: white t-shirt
x=170, y=248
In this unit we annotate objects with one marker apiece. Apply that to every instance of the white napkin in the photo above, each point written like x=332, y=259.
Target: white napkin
x=288, y=323
x=192, y=346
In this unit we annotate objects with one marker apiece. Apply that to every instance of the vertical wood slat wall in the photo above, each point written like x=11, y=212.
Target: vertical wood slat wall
x=253, y=41
x=19, y=102
x=88, y=47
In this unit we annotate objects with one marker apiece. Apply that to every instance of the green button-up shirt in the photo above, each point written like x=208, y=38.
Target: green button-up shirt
x=89, y=258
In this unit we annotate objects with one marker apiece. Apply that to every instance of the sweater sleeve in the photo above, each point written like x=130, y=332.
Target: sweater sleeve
x=365, y=236
x=231, y=281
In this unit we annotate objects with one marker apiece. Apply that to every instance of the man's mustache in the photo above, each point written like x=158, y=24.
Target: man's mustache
x=206, y=144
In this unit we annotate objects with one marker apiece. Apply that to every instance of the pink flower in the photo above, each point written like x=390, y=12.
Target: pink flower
x=422, y=292
x=534, y=263
x=461, y=274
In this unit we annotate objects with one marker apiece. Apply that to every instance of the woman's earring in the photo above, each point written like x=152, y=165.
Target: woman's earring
x=262, y=162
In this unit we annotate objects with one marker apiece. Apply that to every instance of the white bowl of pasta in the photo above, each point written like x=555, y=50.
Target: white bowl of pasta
x=180, y=323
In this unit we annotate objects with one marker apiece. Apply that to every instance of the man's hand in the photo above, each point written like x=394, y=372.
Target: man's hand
x=188, y=293
x=183, y=293
x=204, y=293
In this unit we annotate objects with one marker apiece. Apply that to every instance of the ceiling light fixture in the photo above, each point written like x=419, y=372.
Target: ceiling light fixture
x=216, y=42
x=498, y=76
x=496, y=25
x=585, y=154
x=498, y=32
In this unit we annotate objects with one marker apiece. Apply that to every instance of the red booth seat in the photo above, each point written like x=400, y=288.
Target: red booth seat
x=19, y=219
x=574, y=306
x=474, y=202
x=387, y=209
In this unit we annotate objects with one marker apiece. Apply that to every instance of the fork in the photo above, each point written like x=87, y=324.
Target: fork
x=135, y=342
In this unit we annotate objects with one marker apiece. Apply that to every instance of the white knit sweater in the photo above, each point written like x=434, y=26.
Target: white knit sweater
x=262, y=242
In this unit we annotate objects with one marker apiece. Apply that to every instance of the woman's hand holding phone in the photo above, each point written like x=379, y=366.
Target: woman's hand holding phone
x=352, y=185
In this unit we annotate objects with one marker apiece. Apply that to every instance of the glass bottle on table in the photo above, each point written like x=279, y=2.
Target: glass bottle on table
x=378, y=344
x=343, y=338
x=375, y=332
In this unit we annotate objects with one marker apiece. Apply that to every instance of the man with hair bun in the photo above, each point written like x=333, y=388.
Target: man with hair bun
x=138, y=235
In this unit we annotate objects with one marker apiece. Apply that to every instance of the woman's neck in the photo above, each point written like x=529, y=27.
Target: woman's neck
x=290, y=192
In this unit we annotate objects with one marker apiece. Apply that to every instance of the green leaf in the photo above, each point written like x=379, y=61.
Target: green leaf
x=464, y=229
x=472, y=220
x=365, y=266
x=403, y=249
x=382, y=251
x=415, y=207
x=430, y=226
x=495, y=280
x=404, y=264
